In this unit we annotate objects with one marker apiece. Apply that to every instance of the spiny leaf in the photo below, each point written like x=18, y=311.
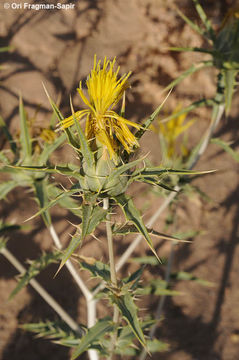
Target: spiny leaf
x=128, y=310
x=193, y=49
x=64, y=170
x=34, y=269
x=63, y=198
x=193, y=25
x=9, y=227
x=74, y=243
x=183, y=275
x=148, y=260
x=156, y=345
x=123, y=168
x=189, y=71
x=40, y=187
x=159, y=171
x=132, y=214
x=6, y=187
x=97, y=268
x=119, y=229
x=3, y=243
x=56, y=331
x=72, y=139
x=25, y=139
x=156, y=287
x=126, y=335
x=225, y=146
x=4, y=159
x=230, y=83
x=98, y=215
x=134, y=278
x=205, y=20
x=94, y=334
x=12, y=143
x=89, y=223
x=84, y=144
x=149, y=121
x=49, y=148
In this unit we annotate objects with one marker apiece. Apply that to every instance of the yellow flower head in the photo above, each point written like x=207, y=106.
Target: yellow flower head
x=102, y=122
x=172, y=128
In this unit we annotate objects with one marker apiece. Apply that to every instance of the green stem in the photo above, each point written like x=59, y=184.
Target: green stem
x=112, y=272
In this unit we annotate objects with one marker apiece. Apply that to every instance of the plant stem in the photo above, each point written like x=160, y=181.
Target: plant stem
x=43, y=293
x=216, y=117
x=112, y=272
x=90, y=301
x=86, y=292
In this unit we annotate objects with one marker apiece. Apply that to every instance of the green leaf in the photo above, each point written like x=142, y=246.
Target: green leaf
x=98, y=215
x=34, y=269
x=192, y=49
x=148, y=260
x=156, y=287
x=3, y=243
x=156, y=345
x=63, y=198
x=122, y=169
x=40, y=187
x=6, y=187
x=97, y=268
x=126, y=229
x=133, y=279
x=9, y=137
x=159, y=171
x=74, y=243
x=9, y=227
x=194, y=68
x=6, y=48
x=84, y=144
x=49, y=148
x=128, y=310
x=124, y=343
x=229, y=77
x=89, y=223
x=149, y=121
x=94, y=334
x=194, y=26
x=132, y=214
x=225, y=146
x=4, y=159
x=182, y=275
x=57, y=331
x=63, y=170
x=25, y=139
x=71, y=138
x=205, y=20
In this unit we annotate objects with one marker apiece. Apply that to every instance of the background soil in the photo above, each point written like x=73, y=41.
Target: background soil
x=57, y=48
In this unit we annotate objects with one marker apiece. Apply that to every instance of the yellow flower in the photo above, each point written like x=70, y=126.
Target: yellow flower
x=171, y=130
x=102, y=122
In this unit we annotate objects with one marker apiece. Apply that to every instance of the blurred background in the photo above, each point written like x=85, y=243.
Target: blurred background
x=57, y=47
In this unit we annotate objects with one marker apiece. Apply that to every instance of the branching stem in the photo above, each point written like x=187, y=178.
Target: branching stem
x=90, y=301
x=43, y=293
x=112, y=272
x=216, y=117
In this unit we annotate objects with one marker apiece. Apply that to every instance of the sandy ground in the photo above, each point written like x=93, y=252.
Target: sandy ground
x=57, y=48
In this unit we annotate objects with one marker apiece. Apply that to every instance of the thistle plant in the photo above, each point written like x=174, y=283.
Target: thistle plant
x=106, y=163
x=104, y=150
